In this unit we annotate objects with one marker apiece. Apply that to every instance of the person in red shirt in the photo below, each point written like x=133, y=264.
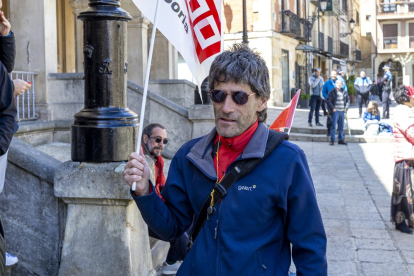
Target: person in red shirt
x=154, y=139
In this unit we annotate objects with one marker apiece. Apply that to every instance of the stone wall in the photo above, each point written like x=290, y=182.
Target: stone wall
x=33, y=217
x=67, y=97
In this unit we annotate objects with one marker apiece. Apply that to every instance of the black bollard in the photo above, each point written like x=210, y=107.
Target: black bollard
x=105, y=130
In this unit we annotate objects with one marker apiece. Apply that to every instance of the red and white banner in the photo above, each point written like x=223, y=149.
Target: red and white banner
x=284, y=121
x=192, y=26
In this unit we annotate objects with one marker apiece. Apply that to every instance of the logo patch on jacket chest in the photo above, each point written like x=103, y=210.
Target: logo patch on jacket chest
x=246, y=188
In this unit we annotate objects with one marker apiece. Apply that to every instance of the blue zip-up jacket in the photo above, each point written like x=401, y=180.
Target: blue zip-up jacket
x=363, y=85
x=370, y=117
x=263, y=213
x=327, y=87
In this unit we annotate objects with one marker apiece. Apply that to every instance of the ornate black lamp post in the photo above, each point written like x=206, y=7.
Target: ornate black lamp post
x=105, y=129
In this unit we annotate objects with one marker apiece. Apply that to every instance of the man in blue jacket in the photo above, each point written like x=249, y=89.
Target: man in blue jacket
x=264, y=212
x=363, y=86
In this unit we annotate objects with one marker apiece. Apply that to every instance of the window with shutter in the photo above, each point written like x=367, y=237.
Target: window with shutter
x=390, y=34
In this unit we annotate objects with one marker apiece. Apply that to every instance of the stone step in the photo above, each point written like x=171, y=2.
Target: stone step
x=321, y=130
x=353, y=139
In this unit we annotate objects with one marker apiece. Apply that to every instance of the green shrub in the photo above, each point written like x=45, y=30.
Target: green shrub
x=350, y=85
x=305, y=96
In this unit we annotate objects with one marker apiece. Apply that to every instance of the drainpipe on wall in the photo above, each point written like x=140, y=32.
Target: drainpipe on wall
x=376, y=43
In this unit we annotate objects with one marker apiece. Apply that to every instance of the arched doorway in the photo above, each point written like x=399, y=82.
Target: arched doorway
x=396, y=71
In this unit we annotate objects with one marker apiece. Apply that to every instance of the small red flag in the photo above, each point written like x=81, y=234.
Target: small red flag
x=283, y=122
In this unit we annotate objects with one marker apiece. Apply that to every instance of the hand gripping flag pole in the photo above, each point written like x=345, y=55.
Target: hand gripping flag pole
x=144, y=95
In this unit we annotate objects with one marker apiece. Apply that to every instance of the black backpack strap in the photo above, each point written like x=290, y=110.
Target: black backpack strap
x=238, y=170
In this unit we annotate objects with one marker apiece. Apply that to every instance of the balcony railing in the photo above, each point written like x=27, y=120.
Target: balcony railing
x=330, y=45
x=390, y=42
x=321, y=41
x=358, y=55
x=305, y=30
x=395, y=8
x=290, y=24
x=344, y=49
x=26, y=102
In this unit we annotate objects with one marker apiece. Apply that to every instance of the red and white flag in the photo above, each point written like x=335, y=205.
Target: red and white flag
x=283, y=122
x=192, y=26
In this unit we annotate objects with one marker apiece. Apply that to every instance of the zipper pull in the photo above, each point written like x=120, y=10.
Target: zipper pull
x=215, y=230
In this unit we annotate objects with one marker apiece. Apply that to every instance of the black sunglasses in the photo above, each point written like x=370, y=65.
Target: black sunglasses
x=159, y=140
x=239, y=97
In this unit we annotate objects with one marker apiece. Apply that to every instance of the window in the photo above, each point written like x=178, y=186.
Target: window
x=368, y=34
x=411, y=34
x=390, y=32
x=357, y=18
x=368, y=18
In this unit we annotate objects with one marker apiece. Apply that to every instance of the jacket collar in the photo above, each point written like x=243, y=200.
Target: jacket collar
x=200, y=153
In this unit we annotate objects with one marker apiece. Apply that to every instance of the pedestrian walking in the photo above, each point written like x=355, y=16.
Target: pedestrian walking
x=338, y=103
x=363, y=86
x=386, y=91
x=268, y=216
x=402, y=194
x=316, y=83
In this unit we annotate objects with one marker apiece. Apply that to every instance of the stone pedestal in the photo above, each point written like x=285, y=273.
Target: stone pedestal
x=105, y=233
x=202, y=117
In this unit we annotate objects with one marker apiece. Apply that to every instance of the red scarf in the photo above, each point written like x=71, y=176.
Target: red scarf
x=159, y=176
x=231, y=148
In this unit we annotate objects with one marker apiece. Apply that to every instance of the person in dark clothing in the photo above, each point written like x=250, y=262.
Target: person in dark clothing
x=363, y=86
x=374, y=91
x=386, y=92
x=316, y=83
x=338, y=103
x=8, y=113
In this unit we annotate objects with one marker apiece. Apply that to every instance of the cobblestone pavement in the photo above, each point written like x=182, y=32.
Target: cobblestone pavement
x=353, y=185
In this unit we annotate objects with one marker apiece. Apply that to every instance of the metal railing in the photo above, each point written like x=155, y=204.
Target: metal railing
x=399, y=7
x=330, y=45
x=290, y=24
x=390, y=42
x=344, y=49
x=358, y=56
x=26, y=102
x=321, y=41
x=305, y=30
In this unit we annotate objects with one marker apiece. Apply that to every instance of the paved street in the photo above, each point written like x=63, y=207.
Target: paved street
x=353, y=184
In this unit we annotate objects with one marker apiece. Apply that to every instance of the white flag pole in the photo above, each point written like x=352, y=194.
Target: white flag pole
x=144, y=96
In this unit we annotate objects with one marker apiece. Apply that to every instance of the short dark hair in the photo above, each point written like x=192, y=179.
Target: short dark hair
x=149, y=128
x=241, y=64
x=401, y=95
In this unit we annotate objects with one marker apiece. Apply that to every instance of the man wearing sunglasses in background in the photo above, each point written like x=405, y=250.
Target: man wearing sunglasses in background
x=250, y=231
x=154, y=139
